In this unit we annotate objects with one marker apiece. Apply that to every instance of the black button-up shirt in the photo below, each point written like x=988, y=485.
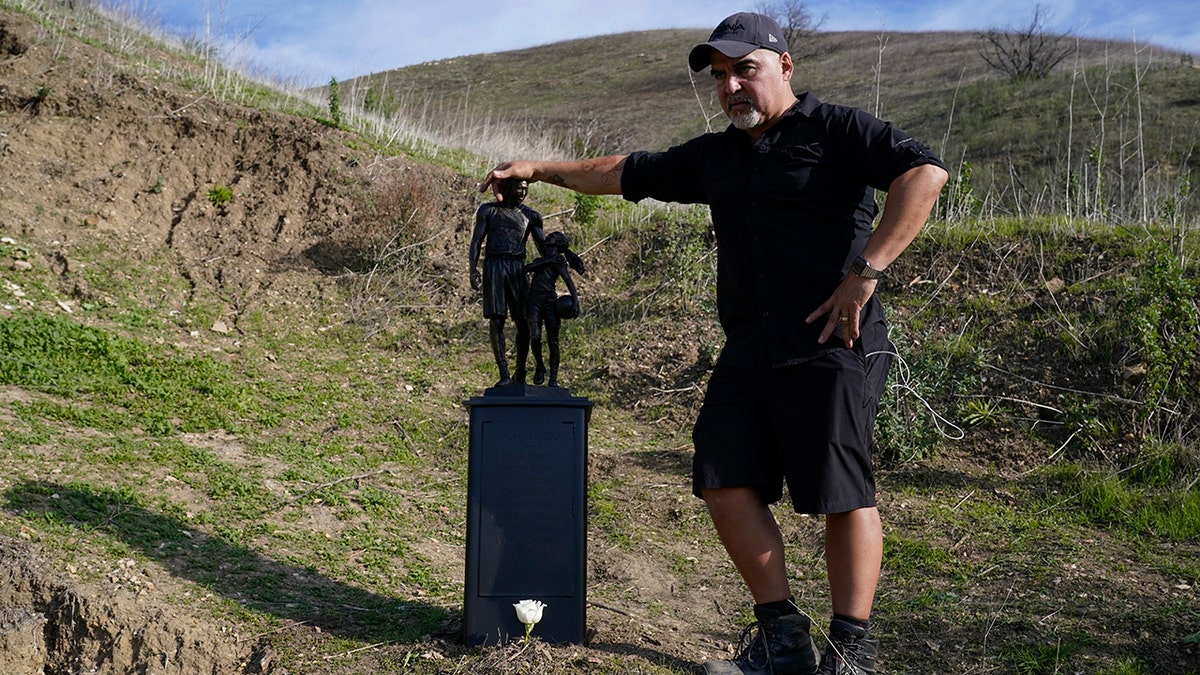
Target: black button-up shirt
x=791, y=212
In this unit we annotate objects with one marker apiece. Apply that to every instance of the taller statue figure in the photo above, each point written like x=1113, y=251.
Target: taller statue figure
x=506, y=226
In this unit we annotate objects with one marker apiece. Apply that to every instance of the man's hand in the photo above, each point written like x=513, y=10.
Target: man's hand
x=844, y=307
x=476, y=280
x=496, y=177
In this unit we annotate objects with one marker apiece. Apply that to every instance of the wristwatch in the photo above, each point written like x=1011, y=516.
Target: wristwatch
x=862, y=268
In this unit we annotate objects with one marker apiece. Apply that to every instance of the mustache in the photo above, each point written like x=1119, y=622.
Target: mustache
x=739, y=98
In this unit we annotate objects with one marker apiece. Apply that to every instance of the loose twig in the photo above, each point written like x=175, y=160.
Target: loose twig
x=322, y=486
x=354, y=651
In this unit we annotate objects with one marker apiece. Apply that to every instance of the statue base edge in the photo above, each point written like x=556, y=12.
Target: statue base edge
x=527, y=391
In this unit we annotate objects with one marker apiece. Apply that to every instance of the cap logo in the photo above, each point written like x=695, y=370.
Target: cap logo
x=771, y=38
x=733, y=28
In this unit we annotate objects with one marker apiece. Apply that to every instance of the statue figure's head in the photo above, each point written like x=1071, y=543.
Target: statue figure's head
x=514, y=191
x=558, y=241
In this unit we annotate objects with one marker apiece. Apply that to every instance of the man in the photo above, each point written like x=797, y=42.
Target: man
x=506, y=225
x=794, y=393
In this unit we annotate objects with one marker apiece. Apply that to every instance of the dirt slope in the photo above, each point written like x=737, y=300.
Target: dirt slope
x=94, y=154
x=89, y=147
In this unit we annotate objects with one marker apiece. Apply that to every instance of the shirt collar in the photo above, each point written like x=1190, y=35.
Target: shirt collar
x=806, y=104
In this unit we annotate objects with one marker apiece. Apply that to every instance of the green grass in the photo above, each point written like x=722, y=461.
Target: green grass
x=105, y=381
x=1037, y=659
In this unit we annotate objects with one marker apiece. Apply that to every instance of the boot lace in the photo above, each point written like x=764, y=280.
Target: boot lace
x=753, y=636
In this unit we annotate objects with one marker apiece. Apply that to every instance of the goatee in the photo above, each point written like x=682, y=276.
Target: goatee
x=747, y=120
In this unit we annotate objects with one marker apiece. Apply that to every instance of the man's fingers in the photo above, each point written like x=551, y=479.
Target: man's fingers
x=494, y=178
x=836, y=320
x=493, y=182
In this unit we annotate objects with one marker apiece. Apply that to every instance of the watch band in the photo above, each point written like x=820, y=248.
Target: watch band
x=862, y=268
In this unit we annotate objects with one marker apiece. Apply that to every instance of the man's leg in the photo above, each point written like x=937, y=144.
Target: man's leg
x=751, y=537
x=853, y=555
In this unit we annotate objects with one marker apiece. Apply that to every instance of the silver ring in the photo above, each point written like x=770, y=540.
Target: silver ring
x=844, y=319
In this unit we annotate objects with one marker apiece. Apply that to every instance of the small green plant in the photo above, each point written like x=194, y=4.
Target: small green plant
x=1130, y=666
x=958, y=201
x=1091, y=424
x=604, y=515
x=34, y=103
x=9, y=248
x=981, y=412
x=220, y=195
x=335, y=103
x=1161, y=326
x=585, y=209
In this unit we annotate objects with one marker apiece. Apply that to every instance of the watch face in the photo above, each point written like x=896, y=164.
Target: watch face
x=862, y=268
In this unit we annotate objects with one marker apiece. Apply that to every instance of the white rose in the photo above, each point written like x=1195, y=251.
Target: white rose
x=529, y=612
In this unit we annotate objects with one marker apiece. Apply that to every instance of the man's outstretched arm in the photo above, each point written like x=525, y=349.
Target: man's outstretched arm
x=599, y=176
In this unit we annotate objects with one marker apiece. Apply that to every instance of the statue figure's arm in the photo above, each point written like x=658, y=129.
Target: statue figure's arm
x=481, y=220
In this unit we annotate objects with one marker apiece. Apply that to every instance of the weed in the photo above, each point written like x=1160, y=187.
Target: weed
x=219, y=195
x=9, y=248
x=34, y=103
x=335, y=104
x=1128, y=666
x=909, y=426
x=585, y=209
x=982, y=412
x=679, y=250
x=1161, y=325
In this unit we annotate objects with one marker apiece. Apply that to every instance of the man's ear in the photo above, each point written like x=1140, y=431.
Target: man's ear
x=785, y=65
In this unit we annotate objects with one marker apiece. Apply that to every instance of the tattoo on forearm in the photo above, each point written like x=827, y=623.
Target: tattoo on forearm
x=557, y=180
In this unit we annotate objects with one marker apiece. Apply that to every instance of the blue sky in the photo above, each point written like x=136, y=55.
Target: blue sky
x=310, y=41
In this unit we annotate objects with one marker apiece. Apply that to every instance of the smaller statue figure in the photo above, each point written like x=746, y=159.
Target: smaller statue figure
x=506, y=225
x=546, y=308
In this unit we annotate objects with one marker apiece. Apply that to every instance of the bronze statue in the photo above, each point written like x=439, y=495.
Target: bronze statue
x=506, y=225
x=545, y=307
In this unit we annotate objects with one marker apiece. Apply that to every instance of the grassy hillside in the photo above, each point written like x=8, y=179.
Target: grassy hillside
x=235, y=340
x=1114, y=122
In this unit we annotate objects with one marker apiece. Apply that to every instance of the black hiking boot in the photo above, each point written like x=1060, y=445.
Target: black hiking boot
x=781, y=646
x=850, y=651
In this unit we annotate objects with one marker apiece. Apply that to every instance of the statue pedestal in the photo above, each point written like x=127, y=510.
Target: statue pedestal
x=526, y=513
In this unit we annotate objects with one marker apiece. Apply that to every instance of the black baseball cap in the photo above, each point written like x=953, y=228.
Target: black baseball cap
x=737, y=36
